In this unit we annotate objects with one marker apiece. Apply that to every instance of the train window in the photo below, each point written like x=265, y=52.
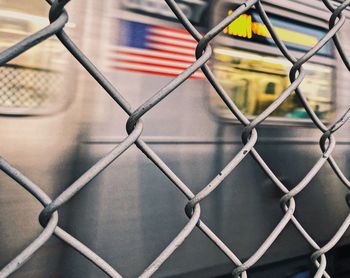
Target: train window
x=30, y=84
x=254, y=81
x=239, y=51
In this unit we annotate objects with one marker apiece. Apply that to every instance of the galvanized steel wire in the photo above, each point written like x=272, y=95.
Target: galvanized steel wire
x=49, y=217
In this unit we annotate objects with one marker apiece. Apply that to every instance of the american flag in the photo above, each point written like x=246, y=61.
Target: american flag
x=152, y=49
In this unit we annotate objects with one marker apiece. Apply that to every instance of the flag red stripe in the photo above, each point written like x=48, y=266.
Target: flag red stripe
x=153, y=56
x=153, y=72
x=148, y=64
x=173, y=52
x=175, y=30
x=169, y=36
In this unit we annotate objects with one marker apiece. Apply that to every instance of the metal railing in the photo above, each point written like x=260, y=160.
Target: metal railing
x=49, y=216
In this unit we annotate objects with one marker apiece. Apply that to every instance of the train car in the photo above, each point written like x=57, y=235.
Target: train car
x=131, y=211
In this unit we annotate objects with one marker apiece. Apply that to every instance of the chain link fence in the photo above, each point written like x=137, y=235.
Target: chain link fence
x=49, y=216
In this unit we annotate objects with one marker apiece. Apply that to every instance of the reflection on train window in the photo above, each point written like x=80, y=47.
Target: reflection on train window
x=254, y=81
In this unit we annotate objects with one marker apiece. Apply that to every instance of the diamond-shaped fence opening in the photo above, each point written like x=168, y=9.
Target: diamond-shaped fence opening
x=40, y=85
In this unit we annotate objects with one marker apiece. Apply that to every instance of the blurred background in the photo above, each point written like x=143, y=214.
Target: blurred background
x=56, y=122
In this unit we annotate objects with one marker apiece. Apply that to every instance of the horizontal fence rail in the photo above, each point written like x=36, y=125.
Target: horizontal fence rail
x=49, y=216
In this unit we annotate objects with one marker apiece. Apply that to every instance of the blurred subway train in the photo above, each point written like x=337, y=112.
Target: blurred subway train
x=56, y=122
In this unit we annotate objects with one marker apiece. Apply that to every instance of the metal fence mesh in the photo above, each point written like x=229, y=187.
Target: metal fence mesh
x=49, y=215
